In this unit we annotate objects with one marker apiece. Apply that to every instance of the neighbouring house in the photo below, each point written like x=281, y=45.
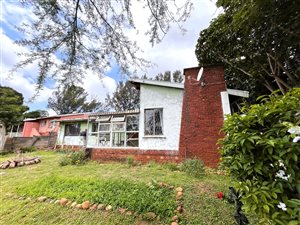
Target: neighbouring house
x=47, y=126
x=175, y=121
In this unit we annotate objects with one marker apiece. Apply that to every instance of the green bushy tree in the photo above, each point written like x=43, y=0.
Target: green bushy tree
x=261, y=149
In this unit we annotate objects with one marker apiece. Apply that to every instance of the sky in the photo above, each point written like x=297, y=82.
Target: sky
x=175, y=51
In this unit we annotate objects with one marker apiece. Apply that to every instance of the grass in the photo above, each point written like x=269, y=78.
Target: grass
x=201, y=205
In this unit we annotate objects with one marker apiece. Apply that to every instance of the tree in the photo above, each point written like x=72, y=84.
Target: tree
x=36, y=114
x=91, y=34
x=11, y=106
x=166, y=76
x=258, y=41
x=71, y=99
x=125, y=97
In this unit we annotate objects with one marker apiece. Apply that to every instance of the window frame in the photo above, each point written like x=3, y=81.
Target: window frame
x=161, y=122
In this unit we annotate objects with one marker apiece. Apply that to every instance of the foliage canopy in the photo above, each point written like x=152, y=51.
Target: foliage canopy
x=258, y=41
x=70, y=99
x=91, y=34
x=11, y=106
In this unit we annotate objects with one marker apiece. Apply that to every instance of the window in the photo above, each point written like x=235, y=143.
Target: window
x=43, y=123
x=118, y=131
x=72, y=129
x=153, y=122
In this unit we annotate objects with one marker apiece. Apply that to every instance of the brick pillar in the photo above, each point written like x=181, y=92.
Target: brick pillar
x=202, y=114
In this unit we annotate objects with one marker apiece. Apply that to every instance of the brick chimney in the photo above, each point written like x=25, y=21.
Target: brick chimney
x=202, y=114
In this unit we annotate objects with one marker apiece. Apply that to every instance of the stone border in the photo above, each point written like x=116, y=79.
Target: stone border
x=86, y=205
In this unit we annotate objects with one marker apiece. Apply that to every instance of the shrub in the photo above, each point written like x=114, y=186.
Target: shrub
x=28, y=149
x=172, y=166
x=262, y=153
x=130, y=161
x=73, y=158
x=193, y=167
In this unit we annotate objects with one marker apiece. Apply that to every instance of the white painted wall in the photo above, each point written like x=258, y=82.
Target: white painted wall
x=170, y=99
x=70, y=140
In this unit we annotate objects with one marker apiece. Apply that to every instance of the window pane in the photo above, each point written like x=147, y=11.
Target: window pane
x=149, y=127
x=158, y=121
x=118, y=126
x=72, y=129
x=94, y=127
x=118, y=118
x=118, y=139
x=104, y=139
x=132, y=123
x=104, y=127
x=132, y=139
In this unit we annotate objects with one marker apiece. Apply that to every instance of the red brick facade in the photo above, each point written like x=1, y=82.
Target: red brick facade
x=202, y=114
x=143, y=156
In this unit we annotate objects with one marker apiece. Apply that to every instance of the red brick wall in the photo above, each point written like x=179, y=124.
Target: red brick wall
x=143, y=156
x=202, y=114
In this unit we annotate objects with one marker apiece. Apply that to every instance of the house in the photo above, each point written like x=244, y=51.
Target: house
x=47, y=126
x=175, y=121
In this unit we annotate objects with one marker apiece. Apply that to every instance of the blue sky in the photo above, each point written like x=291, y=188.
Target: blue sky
x=176, y=51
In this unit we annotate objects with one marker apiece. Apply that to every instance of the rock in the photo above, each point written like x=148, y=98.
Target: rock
x=108, y=208
x=179, y=195
x=52, y=201
x=129, y=213
x=175, y=218
x=57, y=202
x=36, y=160
x=179, y=189
x=73, y=204
x=63, y=201
x=174, y=223
x=42, y=199
x=28, y=199
x=85, y=205
x=78, y=206
x=150, y=215
x=180, y=209
x=21, y=164
x=93, y=207
x=22, y=198
x=101, y=206
x=122, y=210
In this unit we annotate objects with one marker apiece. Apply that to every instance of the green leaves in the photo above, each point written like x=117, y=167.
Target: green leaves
x=260, y=153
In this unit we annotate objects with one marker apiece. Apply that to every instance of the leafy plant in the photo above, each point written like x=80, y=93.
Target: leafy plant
x=28, y=149
x=73, y=158
x=193, y=167
x=130, y=161
x=262, y=153
x=172, y=166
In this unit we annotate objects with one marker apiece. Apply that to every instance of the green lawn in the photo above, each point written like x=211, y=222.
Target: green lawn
x=200, y=203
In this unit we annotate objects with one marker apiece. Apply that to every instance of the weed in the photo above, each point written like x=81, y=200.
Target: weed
x=193, y=167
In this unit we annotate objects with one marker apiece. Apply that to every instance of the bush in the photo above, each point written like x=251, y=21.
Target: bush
x=172, y=166
x=28, y=149
x=73, y=158
x=130, y=161
x=262, y=153
x=193, y=167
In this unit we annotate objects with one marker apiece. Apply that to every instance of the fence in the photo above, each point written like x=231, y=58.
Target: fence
x=15, y=143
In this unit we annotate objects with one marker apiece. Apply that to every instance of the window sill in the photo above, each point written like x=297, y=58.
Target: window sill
x=154, y=136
